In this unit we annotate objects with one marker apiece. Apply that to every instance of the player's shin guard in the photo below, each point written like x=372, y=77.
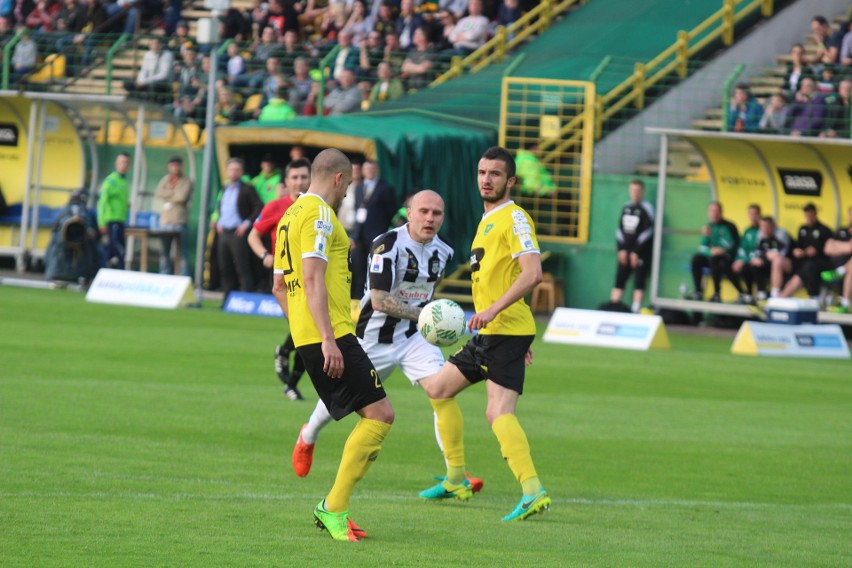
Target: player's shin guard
x=516, y=450
x=361, y=450
x=451, y=430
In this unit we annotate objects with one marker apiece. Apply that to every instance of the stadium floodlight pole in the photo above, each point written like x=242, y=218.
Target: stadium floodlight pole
x=207, y=164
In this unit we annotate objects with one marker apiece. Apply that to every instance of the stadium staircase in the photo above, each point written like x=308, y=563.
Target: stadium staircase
x=684, y=161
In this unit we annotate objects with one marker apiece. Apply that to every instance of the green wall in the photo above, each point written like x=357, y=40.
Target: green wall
x=588, y=271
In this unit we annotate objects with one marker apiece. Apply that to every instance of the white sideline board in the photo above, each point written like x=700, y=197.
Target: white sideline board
x=606, y=329
x=781, y=340
x=131, y=288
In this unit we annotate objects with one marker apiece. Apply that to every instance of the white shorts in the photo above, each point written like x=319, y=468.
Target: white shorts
x=416, y=357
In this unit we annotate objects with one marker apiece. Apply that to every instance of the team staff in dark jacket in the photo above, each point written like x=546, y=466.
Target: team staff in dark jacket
x=808, y=257
x=719, y=243
x=238, y=207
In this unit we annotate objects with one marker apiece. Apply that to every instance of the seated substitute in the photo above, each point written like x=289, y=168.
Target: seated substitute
x=808, y=256
x=773, y=245
x=839, y=252
x=748, y=244
x=634, y=238
x=719, y=243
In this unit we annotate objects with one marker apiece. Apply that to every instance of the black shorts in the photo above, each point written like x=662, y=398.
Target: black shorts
x=498, y=358
x=358, y=387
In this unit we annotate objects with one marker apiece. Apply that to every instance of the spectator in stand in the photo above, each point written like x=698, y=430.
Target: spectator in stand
x=371, y=51
x=288, y=50
x=360, y=23
x=300, y=85
x=774, y=119
x=5, y=29
x=807, y=113
x=393, y=52
x=20, y=11
x=173, y=17
x=508, y=13
x=407, y=22
x=265, y=47
x=266, y=182
x=40, y=19
x=719, y=243
x=272, y=79
x=798, y=68
x=418, y=63
x=277, y=109
x=233, y=26
x=837, y=112
x=235, y=66
x=154, y=80
x=387, y=88
x=808, y=257
x=455, y=7
x=845, y=57
x=282, y=16
x=828, y=46
x=192, y=85
x=385, y=20
x=25, y=55
x=347, y=57
x=825, y=82
x=180, y=41
x=256, y=15
x=469, y=33
x=333, y=20
x=375, y=206
x=96, y=16
x=131, y=12
x=745, y=112
x=69, y=21
x=227, y=110
x=346, y=97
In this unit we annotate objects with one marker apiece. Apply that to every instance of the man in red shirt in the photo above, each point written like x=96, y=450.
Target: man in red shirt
x=297, y=180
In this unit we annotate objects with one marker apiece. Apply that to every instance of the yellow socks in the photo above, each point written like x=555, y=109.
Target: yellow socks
x=361, y=450
x=516, y=451
x=451, y=430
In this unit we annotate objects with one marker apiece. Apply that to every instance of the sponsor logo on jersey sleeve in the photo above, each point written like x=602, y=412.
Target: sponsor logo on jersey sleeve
x=377, y=264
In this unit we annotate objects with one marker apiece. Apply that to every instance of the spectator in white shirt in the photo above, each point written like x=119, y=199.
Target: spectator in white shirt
x=469, y=33
x=154, y=80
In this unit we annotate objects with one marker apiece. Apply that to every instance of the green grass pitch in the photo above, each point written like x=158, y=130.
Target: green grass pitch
x=133, y=437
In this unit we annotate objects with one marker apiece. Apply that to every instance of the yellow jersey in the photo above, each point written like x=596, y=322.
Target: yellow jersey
x=504, y=234
x=310, y=229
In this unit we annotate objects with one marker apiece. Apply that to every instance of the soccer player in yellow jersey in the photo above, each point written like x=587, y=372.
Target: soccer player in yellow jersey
x=505, y=266
x=312, y=281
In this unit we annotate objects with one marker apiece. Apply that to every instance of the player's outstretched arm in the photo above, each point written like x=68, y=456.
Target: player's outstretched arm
x=383, y=301
x=529, y=277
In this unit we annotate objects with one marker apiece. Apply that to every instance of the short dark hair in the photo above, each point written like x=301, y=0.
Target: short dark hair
x=809, y=208
x=768, y=219
x=820, y=20
x=267, y=158
x=743, y=87
x=125, y=154
x=755, y=206
x=239, y=161
x=638, y=182
x=502, y=154
x=175, y=160
x=296, y=164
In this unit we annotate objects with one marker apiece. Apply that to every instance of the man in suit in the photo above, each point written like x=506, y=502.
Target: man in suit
x=375, y=206
x=238, y=207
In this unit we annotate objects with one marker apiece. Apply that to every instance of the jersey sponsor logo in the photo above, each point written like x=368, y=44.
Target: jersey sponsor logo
x=293, y=285
x=434, y=267
x=379, y=249
x=377, y=264
x=476, y=256
x=321, y=243
x=630, y=223
x=801, y=182
x=526, y=241
x=519, y=217
x=522, y=229
x=413, y=268
x=420, y=293
x=323, y=226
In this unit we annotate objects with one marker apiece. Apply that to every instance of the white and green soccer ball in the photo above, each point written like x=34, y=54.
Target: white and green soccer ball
x=442, y=322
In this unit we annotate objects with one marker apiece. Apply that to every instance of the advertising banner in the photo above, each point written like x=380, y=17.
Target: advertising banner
x=606, y=329
x=780, y=340
x=143, y=289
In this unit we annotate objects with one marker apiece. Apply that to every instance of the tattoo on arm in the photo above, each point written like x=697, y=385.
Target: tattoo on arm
x=384, y=302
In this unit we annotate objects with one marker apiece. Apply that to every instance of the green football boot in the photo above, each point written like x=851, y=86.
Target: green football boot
x=529, y=506
x=337, y=524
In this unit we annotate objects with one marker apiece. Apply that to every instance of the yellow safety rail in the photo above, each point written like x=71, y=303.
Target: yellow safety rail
x=676, y=57
x=505, y=39
x=538, y=111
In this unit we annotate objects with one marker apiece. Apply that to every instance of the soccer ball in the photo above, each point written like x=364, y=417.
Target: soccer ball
x=442, y=322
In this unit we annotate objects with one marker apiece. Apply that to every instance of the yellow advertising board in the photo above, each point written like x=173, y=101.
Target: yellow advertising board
x=781, y=174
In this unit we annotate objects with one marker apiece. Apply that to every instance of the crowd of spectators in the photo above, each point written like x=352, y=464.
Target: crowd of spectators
x=386, y=48
x=814, y=98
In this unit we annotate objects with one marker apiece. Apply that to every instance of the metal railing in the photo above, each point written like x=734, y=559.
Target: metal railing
x=507, y=38
x=675, y=59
